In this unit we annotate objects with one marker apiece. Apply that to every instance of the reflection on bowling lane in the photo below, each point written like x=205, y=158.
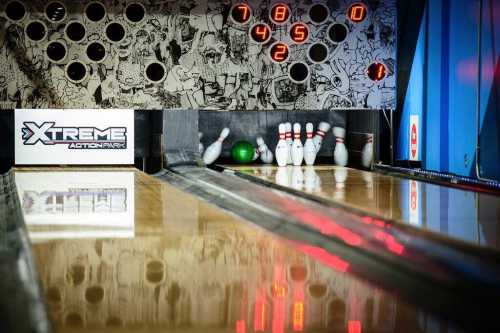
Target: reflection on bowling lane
x=192, y=266
x=470, y=216
x=77, y=204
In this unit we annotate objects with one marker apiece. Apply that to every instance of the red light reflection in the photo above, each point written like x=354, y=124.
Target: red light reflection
x=240, y=326
x=354, y=326
x=324, y=257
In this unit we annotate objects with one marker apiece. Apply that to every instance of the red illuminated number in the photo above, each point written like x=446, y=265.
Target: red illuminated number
x=280, y=13
x=299, y=32
x=357, y=12
x=244, y=11
x=279, y=52
x=260, y=33
x=380, y=72
x=377, y=71
x=241, y=13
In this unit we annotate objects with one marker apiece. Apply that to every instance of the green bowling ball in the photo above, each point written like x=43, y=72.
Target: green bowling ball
x=242, y=152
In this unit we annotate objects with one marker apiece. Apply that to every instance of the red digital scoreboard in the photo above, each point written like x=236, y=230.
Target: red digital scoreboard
x=241, y=13
x=357, y=12
x=260, y=33
x=279, y=52
x=299, y=32
x=280, y=14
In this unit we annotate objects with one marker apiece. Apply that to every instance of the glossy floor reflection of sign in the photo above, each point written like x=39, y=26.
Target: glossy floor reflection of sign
x=77, y=204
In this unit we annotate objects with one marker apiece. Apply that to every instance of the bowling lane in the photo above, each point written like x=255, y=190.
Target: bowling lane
x=117, y=249
x=469, y=216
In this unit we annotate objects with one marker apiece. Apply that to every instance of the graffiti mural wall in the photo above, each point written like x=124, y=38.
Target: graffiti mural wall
x=198, y=54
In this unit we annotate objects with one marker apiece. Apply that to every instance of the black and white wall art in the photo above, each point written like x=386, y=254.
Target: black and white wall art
x=198, y=54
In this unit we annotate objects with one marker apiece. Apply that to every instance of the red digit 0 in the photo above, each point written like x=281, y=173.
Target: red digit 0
x=357, y=12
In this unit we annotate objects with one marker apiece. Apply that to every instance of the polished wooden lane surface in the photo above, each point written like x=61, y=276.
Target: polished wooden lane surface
x=170, y=262
x=470, y=216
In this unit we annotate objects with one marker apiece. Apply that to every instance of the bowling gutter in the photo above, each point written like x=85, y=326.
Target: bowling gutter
x=447, y=278
x=22, y=306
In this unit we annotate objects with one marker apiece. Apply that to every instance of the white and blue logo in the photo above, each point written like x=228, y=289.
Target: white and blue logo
x=47, y=133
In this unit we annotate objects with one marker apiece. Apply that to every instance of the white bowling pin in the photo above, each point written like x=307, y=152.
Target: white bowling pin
x=266, y=156
x=213, y=151
x=297, y=147
x=289, y=141
x=282, y=178
x=282, y=148
x=309, y=148
x=256, y=155
x=297, y=178
x=200, y=145
x=367, y=152
x=340, y=155
x=321, y=132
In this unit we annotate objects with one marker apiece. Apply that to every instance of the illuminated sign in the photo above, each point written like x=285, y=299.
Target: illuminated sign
x=377, y=71
x=357, y=12
x=280, y=13
x=260, y=33
x=299, y=33
x=241, y=13
x=279, y=52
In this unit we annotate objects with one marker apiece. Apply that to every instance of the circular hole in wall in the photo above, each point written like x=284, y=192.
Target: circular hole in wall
x=15, y=11
x=56, y=51
x=155, y=72
x=298, y=72
x=95, y=11
x=75, y=31
x=319, y=13
x=318, y=53
x=36, y=31
x=96, y=51
x=135, y=12
x=115, y=32
x=337, y=33
x=55, y=11
x=76, y=71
